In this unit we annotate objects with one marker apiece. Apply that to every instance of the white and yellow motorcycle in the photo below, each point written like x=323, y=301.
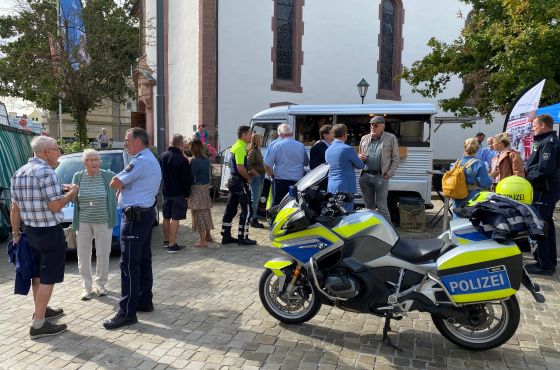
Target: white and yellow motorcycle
x=357, y=262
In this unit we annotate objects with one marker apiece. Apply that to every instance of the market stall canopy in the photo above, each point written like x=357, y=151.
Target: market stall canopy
x=553, y=110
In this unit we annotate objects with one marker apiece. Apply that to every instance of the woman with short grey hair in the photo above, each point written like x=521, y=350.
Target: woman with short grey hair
x=95, y=215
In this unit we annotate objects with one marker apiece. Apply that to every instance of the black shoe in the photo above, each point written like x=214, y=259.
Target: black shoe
x=119, y=321
x=165, y=244
x=257, y=225
x=536, y=270
x=47, y=330
x=149, y=308
x=246, y=241
x=175, y=248
x=53, y=313
x=229, y=240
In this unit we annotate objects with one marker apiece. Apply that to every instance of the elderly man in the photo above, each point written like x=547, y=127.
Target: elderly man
x=380, y=151
x=285, y=162
x=487, y=154
x=176, y=175
x=37, y=200
x=137, y=186
x=103, y=139
x=543, y=171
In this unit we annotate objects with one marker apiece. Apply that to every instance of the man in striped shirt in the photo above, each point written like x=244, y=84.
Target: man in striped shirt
x=37, y=200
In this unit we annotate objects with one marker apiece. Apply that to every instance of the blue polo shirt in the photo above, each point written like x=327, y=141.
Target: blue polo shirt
x=287, y=158
x=141, y=179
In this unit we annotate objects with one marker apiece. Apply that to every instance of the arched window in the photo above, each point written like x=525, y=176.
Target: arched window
x=391, y=15
x=287, y=56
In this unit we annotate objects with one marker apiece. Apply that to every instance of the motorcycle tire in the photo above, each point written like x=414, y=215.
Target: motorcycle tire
x=469, y=340
x=281, y=315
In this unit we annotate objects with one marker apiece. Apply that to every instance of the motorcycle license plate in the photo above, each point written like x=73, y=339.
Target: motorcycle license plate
x=477, y=281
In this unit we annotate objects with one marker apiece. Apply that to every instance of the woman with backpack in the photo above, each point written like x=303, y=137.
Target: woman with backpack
x=476, y=174
x=507, y=162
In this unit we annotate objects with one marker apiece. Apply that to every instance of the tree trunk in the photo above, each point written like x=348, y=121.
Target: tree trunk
x=81, y=127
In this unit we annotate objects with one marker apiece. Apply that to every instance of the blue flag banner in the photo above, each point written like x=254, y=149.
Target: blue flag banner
x=73, y=29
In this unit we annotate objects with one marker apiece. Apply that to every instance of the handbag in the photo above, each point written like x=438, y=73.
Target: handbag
x=70, y=235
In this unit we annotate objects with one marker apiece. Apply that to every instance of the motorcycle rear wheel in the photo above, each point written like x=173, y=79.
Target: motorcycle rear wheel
x=294, y=310
x=484, y=335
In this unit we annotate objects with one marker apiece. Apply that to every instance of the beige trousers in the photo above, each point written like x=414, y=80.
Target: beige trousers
x=102, y=235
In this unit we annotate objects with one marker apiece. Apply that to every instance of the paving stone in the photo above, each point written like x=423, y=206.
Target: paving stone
x=208, y=316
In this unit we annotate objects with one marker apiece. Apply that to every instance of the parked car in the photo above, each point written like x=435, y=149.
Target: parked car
x=111, y=159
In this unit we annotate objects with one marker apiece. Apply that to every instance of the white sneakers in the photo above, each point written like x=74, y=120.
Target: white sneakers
x=86, y=294
x=101, y=291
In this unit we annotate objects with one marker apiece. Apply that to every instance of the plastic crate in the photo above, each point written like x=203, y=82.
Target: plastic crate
x=412, y=213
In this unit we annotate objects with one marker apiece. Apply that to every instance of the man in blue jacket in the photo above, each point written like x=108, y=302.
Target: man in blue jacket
x=343, y=161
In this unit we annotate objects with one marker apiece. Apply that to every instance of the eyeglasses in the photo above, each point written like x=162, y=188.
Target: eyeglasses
x=59, y=151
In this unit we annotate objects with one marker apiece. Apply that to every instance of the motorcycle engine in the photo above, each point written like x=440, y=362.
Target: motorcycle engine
x=340, y=284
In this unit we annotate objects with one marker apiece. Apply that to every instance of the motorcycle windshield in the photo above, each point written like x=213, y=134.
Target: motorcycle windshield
x=313, y=177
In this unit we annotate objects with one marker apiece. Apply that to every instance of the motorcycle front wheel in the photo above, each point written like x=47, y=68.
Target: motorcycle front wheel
x=299, y=306
x=487, y=325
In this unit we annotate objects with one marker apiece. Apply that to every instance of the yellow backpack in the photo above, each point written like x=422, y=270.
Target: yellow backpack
x=454, y=183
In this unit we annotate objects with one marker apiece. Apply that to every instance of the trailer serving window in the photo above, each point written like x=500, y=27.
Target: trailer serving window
x=409, y=129
x=269, y=131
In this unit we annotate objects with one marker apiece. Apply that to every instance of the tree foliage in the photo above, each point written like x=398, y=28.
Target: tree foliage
x=505, y=46
x=36, y=66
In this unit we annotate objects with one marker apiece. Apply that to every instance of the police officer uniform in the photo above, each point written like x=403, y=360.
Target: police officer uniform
x=239, y=194
x=141, y=179
x=543, y=171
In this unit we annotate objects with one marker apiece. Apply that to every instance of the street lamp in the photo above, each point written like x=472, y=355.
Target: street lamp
x=362, y=89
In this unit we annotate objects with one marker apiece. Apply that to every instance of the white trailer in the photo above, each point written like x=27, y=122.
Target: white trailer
x=411, y=123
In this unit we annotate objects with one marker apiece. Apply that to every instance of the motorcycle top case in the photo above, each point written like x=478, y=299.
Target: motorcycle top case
x=483, y=271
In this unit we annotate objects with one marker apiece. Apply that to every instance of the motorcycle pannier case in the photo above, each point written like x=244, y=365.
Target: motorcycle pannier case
x=484, y=273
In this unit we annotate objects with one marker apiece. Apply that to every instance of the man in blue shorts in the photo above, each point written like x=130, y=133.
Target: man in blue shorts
x=37, y=200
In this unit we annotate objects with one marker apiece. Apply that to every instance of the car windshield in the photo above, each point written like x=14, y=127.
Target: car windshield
x=314, y=177
x=72, y=163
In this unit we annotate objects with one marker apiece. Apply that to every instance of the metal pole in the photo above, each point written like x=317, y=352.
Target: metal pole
x=445, y=223
x=59, y=100
x=160, y=96
x=363, y=99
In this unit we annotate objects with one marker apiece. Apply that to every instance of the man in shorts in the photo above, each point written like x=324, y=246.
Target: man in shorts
x=176, y=175
x=37, y=200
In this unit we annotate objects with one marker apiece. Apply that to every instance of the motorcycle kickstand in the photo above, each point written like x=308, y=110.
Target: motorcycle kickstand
x=386, y=338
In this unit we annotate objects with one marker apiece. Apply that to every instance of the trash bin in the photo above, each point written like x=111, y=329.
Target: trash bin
x=412, y=213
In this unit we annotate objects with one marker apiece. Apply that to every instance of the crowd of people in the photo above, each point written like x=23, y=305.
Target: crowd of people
x=37, y=199
x=485, y=167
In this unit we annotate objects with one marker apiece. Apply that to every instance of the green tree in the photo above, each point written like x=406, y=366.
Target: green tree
x=35, y=65
x=505, y=46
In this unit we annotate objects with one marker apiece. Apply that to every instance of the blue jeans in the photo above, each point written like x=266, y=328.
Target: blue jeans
x=257, y=183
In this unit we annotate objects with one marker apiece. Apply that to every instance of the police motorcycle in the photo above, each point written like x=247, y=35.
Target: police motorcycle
x=357, y=262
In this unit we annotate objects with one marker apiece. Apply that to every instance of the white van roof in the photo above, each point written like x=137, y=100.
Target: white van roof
x=345, y=109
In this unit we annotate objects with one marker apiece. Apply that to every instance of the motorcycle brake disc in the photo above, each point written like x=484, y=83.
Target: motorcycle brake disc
x=487, y=317
x=292, y=303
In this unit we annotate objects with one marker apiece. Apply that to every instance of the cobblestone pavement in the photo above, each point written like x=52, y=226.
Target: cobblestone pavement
x=208, y=315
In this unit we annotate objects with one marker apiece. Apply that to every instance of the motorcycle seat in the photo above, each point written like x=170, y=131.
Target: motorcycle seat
x=418, y=251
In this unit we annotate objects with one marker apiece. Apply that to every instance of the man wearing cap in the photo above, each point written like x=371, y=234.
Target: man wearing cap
x=380, y=151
